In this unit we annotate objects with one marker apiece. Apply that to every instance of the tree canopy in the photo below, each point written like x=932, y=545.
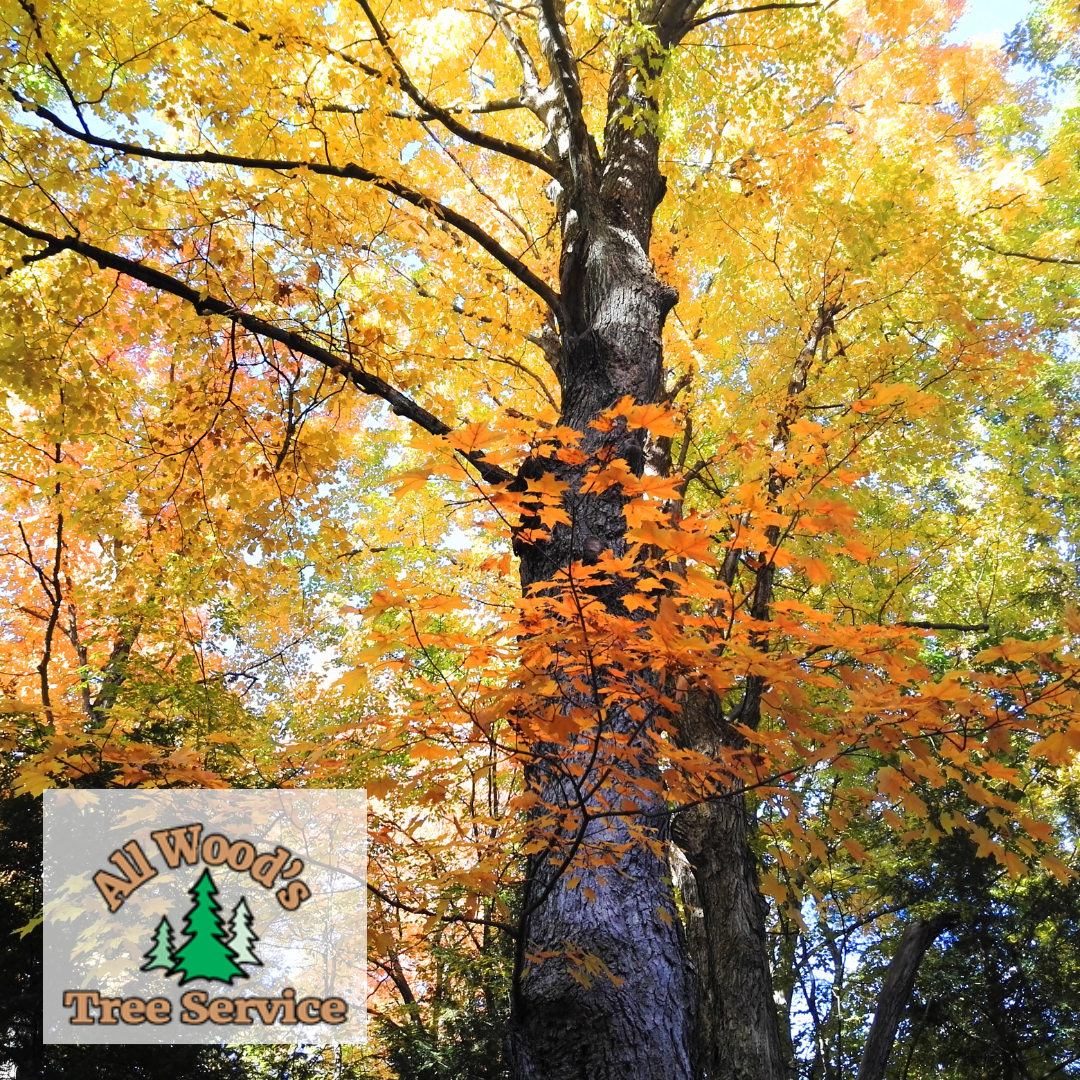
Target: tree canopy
x=636, y=441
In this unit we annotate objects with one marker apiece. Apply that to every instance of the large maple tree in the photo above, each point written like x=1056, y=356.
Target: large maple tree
x=701, y=342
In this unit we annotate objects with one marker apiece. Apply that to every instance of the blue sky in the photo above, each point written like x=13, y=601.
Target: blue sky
x=990, y=19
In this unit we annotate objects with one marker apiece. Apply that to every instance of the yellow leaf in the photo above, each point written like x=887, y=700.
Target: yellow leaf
x=412, y=480
x=1060, y=870
x=855, y=850
x=31, y=926
x=471, y=437
x=430, y=752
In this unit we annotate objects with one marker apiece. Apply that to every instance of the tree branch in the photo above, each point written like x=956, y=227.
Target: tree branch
x=1059, y=1068
x=727, y=12
x=896, y=990
x=500, y=105
x=205, y=304
x=561, y=59
x=974, y=628
x=113, y=671
x=453, y=918
x=351, y=171
x=278, y=40
x=47, y=252
x=529, y=73
x=1032, y=258
x=52, y=589
x=564, y=74
x=446, y=118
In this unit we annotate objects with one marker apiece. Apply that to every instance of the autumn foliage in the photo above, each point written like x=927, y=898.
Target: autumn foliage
x=286, y=417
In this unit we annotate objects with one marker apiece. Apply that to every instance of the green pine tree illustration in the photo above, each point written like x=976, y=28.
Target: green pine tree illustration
x=205, y=955
x=243, y=934
x=161, y=953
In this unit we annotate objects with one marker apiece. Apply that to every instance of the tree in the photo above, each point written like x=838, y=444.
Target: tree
x=1000, y=998
x=677, y=332
x=205, y=955
x=242, y=935
x=161, y=953
x=20, y=827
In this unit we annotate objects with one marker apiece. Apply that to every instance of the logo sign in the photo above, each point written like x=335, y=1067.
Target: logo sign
x=205, y=916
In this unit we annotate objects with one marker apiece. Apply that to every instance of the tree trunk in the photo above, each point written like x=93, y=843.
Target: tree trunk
x=741, y=1040
x=600, y=1029
x=738, y=1036
x=638, y=1024
x=570, y=1023
x=896, y=992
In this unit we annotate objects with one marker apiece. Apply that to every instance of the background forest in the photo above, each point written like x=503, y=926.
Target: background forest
x=638, y=443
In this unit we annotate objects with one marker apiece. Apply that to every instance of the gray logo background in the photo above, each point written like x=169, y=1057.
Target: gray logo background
x=319, y=949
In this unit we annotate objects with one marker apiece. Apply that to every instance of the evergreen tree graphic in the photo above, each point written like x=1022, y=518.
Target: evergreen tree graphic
x=243, y=934
x=205, y=955
x=161, y=953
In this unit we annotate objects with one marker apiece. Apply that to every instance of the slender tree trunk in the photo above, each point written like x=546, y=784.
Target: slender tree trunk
x=784, y=977
x=738, y=1036
x=697, y=947
x=741, y=1040
x=896, y=992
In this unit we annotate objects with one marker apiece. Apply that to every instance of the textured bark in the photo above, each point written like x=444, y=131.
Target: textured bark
x=612, y=308
x=637, y=1024
x=697, y=947
x=637, y=1029
x=738, y=1035
x=784, y=979
x=741, y=1040
x=896, y=992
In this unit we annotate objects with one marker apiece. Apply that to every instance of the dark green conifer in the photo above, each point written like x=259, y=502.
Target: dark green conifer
x=205, y=955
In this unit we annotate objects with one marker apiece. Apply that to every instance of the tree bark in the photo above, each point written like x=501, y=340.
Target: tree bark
x=738, y=1035
x=896, y=992
x=637, y=1022
x=741, y=1040
x=638, y=1027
